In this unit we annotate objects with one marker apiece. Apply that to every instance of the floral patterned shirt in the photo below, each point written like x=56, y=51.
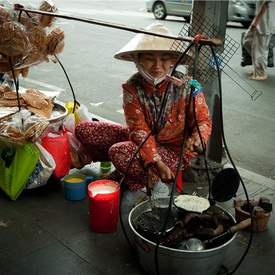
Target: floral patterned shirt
x=142, y=104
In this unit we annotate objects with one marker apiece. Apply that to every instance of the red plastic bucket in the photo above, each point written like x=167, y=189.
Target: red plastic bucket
x=103, y=205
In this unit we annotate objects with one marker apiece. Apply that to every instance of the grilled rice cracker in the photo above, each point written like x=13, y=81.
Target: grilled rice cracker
x=13, y=40
x=5, y=15
x=55, y=41
x=11, y=95
x=46, y=20
x=192, y=203
x=35, y=101
x=7, y=88
x=12, y=102
x=11, y=134
x=35, y=131
x=37, y=93
x=45, y=112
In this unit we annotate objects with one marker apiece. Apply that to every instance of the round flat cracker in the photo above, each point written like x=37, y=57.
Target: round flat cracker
x=192, y=203
x=11, y=102
x=11, y=95
x=35, y=131
x=34, y=101
x=46, y=112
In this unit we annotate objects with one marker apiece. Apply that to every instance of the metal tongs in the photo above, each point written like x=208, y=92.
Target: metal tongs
x=150, y=194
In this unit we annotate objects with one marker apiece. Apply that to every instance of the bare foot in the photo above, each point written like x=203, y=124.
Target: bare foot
x=260, y=77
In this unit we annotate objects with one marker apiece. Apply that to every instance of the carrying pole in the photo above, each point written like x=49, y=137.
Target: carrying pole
x=202, y=41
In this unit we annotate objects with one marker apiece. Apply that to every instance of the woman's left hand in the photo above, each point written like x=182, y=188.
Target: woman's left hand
x=193, y=144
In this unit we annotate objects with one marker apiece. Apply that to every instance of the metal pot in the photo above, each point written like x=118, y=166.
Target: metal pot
x=177, y=261
x=152, y=218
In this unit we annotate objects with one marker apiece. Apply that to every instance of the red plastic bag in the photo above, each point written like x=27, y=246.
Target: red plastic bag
x=57, y=144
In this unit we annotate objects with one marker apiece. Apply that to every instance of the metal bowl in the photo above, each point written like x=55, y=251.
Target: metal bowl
x=192, y=244
x=59, y=112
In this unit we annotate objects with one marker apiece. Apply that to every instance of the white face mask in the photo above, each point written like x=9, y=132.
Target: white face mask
x=146, y=75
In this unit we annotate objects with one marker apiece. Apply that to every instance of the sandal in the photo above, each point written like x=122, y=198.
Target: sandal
x=113, y=175
x=261, y=77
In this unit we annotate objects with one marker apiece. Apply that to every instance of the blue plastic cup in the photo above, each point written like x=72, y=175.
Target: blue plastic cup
x=75, y=186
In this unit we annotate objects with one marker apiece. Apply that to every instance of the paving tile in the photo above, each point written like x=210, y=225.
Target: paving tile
x=43, y=233
x=54, y=259
x=108, y=248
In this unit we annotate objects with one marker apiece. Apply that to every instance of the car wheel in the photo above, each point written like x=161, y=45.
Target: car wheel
x=246, y=24
x=159, y=11
x=187, y=18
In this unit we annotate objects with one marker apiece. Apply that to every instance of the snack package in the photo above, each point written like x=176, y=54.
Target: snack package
x=28, y=39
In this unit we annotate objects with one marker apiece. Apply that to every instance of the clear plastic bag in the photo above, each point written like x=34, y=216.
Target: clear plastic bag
x=79, y=157
x=83, y=113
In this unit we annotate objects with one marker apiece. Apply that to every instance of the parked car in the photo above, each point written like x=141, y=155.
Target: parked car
x=238, y=11
x=162, y=8
x=241, y=11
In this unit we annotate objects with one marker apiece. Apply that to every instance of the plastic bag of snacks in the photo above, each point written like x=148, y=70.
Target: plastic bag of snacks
x=27, y=39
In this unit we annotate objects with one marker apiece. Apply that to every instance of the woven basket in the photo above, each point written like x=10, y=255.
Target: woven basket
x=260, y=216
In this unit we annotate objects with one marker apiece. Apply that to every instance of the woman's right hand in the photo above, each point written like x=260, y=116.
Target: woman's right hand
x=163, y=171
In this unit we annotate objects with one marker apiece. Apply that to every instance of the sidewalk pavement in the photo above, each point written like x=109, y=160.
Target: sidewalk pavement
x=43, y=233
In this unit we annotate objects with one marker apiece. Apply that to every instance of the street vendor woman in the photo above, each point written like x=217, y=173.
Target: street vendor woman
x=143, y=94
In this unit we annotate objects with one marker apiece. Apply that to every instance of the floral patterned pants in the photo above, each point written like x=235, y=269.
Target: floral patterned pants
x=107, y=141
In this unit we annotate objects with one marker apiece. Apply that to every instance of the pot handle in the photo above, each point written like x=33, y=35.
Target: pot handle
x=143, y=246
x=89, y=179
x=241, y=225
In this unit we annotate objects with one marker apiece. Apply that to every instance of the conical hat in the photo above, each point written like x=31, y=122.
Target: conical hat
x=148, y=43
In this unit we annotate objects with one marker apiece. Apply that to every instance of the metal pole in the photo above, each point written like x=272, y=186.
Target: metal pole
x=216, y=11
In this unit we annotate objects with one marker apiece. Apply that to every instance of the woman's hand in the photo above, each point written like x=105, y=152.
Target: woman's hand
x=253, y=26
x=163, y=171
x=194, y=144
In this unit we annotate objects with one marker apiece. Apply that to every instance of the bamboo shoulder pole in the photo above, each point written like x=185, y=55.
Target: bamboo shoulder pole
x=202, y=40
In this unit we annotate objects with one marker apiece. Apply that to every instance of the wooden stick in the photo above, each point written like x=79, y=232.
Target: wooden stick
x=202, y=41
